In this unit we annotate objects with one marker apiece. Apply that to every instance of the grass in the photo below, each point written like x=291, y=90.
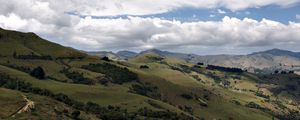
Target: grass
x=112, y=95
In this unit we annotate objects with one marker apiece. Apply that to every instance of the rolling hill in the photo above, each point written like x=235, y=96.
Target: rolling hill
x=67, y=84
x=265, y=61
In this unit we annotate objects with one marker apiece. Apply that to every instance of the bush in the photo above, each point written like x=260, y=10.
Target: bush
x=225, y=69
x=163, y=114
x=199, y=63
x=186, y=96
x=32, y=56
x=144, y=67
x=146, y=90
x=38, y=73
x=75, y=114
x=77, y=78
x=106, y=59
x=117, y=74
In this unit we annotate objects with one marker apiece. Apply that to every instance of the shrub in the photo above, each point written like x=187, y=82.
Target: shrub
x=145, y=90
x=75, y=114
x=38, y=73
x=77, y=78
x=225, y=69
x=117, y=74
x=106, y=59
x=186, y=96
x=144, y=67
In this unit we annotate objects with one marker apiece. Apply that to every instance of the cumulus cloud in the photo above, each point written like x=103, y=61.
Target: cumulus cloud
x=48, y=9
x=49, y=19
x=298, y=16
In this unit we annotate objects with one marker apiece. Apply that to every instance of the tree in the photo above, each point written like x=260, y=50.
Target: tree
x=38, y=73
x=144, y=67
x=75, y=114
x=199, y=63
x=15, y=54
x=106, y=59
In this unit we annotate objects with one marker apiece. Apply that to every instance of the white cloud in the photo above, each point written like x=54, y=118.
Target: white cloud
x=298, y=16
x=49, y=9
x=211, y=15
x=49, y=20
x=221, y=11
x=135, y=32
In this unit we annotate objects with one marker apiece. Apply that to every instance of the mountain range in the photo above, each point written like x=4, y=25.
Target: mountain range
x=264, y=61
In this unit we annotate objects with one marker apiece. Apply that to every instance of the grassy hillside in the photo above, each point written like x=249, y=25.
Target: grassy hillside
x=30, y=43
x=146, y=86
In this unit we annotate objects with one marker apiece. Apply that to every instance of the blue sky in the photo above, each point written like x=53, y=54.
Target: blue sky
x=190, y=26
x=189, y=14
x=271, y=12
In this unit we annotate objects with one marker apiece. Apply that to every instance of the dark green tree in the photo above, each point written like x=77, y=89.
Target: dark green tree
x=75, y=114
x=38, y=73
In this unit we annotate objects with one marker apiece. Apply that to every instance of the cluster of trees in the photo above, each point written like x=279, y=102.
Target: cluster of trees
x=187, y=96
x=117, y=74
x=256, y=106
x=216, y=78
x=144, y=67
x=163, y=114
x=77, y=77
x=20, y=68
x=155, y=58
x=199, y=63
x=182, y=68
x=106, y=59
x=32, y=57
x=283, y=72
x=146, y=89
x=225, y=69
x=261, y=94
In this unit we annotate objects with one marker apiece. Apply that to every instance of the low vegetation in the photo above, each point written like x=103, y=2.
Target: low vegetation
x=117, y=74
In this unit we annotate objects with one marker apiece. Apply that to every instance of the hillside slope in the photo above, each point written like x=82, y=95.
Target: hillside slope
x=147, y=86
x=29, y=43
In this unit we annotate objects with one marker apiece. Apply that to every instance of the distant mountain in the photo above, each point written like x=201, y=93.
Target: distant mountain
x=110, y=55
x=169, y=54
x=126, y=54
x=121, y=55
x=266, y=61
x=279, y=52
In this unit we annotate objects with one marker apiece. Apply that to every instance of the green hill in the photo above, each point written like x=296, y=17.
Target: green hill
x=30, y=43
x=64, y=83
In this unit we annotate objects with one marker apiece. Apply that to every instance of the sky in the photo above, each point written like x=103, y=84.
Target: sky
x=189, y=26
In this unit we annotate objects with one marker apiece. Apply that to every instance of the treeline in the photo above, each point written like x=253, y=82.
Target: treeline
x=37, y=72
x=105, y=113
x=77, y=77
x=283, y=72
x=164, y=115
x=225, y=69
x=117, y=74
x=32, y=56
x=70, y=58
x=20, y=68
